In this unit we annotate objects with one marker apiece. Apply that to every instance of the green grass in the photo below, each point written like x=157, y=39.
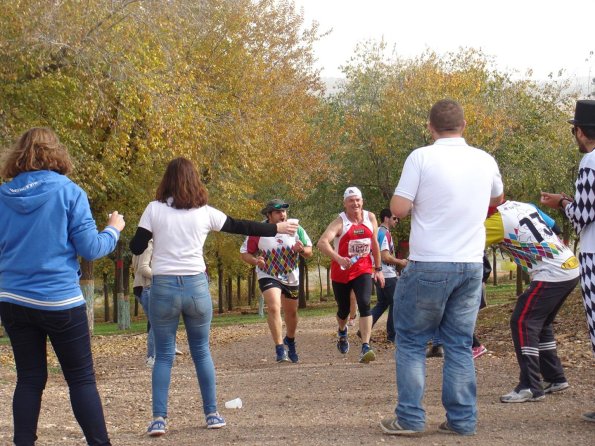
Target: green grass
x=504, y=292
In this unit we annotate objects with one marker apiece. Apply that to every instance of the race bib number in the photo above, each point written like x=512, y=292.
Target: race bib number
x=359, y=247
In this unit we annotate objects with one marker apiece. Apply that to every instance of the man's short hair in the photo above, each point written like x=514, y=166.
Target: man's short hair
x=385, y=213
x=447, y=116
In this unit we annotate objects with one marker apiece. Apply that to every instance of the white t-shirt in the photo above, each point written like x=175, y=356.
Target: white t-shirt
x=450, y=184
x=179, y=236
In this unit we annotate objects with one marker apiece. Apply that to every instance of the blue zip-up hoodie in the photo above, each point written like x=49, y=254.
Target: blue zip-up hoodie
x=45, y=223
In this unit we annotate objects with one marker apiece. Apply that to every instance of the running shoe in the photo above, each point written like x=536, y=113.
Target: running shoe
x=343, y=342
x=392, y=427
x=281, y=353
x=291, y=351
x=554, y=387
x=156, y=427
x=367, y=355
x=215, y=421
x=521, y=396
x=478, y=351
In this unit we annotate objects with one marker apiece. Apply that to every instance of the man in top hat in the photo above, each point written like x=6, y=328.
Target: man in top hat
x=581, y=210
x=277, y=267
x=354, y=234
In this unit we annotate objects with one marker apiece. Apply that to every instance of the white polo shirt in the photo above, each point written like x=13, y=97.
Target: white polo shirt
x=450, y=184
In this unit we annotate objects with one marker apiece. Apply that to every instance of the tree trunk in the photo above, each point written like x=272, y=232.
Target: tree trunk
x=250, y=289
x=115, y=294
x=87, y=283
x=123, y=301
x=494, y=268
x=307, y=281
x=519, y=280
x=301, y=293
x=253, y=284
x=220, y=283
x=239, y=289
x=105, y=298
x=229, y=293
x=321, y=298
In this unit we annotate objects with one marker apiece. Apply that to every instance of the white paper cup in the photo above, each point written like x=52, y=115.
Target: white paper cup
x=293, y=220
x=234, y=404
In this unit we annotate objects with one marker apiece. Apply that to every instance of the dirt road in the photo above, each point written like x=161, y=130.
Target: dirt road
x=325, y=399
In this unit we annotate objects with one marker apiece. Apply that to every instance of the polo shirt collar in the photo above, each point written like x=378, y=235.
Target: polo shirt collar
x=455, y=141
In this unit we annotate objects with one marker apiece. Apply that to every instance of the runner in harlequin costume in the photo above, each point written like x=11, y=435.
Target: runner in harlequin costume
x=354, y=238
x=521, y=230
x=277, y=268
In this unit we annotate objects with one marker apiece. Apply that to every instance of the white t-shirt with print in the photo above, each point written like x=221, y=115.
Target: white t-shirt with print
x=450, y=184
x=179, y=236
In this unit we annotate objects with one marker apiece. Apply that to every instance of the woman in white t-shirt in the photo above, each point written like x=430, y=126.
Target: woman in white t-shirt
x=179, y=221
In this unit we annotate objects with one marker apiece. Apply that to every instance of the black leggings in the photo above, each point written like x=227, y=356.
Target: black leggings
x=362, y=287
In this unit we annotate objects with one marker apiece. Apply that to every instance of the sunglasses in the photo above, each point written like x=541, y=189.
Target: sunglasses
x=281, y=206
x=395, y=219
x=573, y=131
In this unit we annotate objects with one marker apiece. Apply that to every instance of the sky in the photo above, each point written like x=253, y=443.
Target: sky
x=542, y=35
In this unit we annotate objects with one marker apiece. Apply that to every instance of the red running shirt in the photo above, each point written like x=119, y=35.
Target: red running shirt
x=356, y=239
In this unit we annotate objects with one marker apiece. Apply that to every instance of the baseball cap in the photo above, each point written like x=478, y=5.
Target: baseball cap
x=352, y=191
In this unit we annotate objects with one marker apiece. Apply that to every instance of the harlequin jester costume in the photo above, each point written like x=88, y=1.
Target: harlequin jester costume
x=281, y=262
x=521, y=231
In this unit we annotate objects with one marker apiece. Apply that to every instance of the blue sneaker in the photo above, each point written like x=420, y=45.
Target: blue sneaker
x=291, y=352
x=367, y=355
x=281, y=353
x=215, y=421
x=343, y=342
x=156, y=427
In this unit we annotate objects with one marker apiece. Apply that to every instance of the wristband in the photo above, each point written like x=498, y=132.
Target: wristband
x=378, y=269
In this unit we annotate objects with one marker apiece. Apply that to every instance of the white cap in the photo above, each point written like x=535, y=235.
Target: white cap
x=352, y=191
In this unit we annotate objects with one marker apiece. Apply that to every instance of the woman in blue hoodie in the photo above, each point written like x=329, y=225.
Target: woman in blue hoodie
x=45, y=224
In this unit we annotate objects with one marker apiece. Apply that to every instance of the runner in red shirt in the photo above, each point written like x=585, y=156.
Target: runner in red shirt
x=354, y=234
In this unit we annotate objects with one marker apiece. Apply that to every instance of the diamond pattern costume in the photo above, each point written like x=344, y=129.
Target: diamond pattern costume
x=582, y=215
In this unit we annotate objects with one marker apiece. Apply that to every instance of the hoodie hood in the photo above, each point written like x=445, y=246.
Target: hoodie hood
x=30, y=190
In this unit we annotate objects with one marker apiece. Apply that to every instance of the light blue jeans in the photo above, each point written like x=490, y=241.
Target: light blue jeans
x=144, y=301
x=188, y=296
x=437, y=298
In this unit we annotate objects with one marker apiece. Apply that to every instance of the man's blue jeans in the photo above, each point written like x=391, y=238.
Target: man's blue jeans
x=68, y=331
x=144, y=301
x=385, y=301
x=438, y=297
x=188, y=296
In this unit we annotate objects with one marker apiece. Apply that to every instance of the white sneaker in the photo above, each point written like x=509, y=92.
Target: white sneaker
x=521, y=396
x=150, y=361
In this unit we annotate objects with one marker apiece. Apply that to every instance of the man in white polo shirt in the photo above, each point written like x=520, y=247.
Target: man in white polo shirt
x=447, y=187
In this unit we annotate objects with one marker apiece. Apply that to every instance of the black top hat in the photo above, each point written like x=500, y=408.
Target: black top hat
x=276, y=204
x=584, y=114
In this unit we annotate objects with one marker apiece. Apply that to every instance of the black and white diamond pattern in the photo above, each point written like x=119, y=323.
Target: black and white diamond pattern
x=582, y=211
x=587, y=268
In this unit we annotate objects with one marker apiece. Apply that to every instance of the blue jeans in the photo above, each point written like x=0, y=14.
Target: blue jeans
x=443, y=297
x=188, y=296
x=385, y=301
x=68, y=331
x=144, y=301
